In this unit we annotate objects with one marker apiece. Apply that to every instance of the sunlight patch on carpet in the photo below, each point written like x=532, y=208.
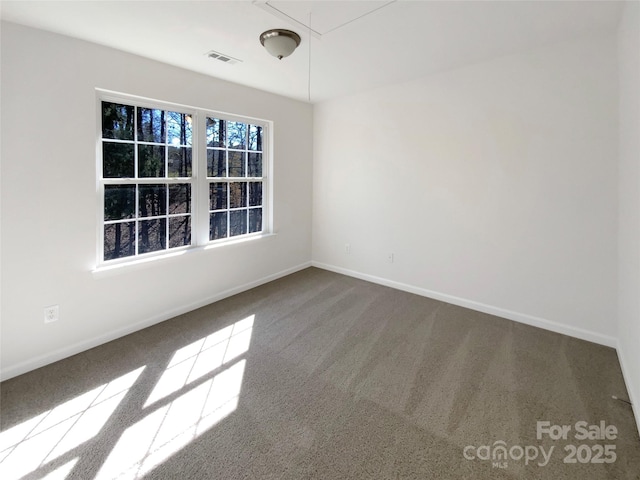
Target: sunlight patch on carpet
x=165, y=431
x=35, y=442
x=202, y=357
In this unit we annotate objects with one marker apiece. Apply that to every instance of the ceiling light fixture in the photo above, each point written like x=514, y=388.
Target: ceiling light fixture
x=280, y=43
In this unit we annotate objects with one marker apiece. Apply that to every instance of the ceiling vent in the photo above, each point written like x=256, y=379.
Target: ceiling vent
x=228, y=59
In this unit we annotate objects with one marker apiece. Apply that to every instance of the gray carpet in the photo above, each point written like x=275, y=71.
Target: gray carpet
x=321, y=376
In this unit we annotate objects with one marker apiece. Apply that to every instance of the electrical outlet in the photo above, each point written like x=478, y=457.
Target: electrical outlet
x=390, y=257
x=51, y=313
x=347, y=248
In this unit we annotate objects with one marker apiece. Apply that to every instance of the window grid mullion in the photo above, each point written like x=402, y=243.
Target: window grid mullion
x=166, y=215
x=246, y=175
x=136, y=224
x=135, y=143
x=228, y=209
x=166, y=147
x=136, y=219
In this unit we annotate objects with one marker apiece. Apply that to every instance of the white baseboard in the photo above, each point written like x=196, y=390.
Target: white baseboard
x=480, y=307
x=630, y=383
x=42, y=360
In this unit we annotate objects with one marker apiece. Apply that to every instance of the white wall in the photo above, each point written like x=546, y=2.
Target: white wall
x=629, y=200
x=49, y=201
x=494, y=185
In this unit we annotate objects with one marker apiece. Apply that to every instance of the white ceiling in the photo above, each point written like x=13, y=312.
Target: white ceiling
x=351, y=45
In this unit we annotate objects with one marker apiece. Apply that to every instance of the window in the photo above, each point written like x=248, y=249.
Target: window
x=234, y=171
x=172, y=177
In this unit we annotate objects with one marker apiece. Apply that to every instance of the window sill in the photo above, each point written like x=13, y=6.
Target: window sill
x=140, y=263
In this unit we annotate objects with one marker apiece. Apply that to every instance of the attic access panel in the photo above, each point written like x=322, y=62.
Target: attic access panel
x=325, y=16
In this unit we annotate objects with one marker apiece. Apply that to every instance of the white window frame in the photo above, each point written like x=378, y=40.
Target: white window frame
x=199, y=180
